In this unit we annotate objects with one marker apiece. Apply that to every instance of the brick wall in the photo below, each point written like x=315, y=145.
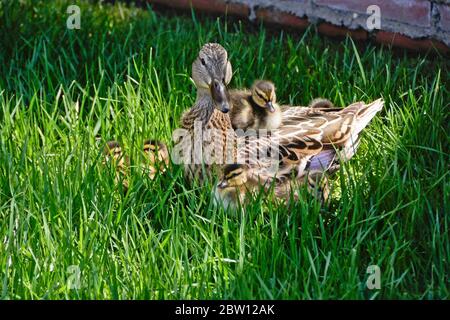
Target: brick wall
x=412, y=24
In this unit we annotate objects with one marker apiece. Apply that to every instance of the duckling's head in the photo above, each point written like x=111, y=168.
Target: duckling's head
x=211, y=72
x=112, y=148
x=263, y=94
x=234, y=175
x=157, y=152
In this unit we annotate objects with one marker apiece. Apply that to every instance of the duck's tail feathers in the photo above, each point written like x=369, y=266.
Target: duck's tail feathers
x=364, y=114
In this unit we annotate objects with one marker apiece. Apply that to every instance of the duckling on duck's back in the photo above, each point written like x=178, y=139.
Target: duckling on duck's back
x=321, y=103
x=255, y=109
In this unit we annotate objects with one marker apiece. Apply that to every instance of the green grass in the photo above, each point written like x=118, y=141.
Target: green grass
x=127, y=73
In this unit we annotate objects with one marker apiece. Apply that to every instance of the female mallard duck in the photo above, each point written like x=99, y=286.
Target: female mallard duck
x=255, y=109
x=309, y=139
x=207, y=139
x=211, y=72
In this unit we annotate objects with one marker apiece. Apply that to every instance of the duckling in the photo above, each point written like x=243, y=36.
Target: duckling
x=156, y=157
x=238, y=182
x=317, y=185
x=234, y=185
x=113, y=154
x=255, y=109
x=320, y=103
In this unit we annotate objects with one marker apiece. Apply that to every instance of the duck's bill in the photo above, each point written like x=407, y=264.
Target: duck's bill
x=222, y=184
x=225, y=107
x=219, y=94
x=269, y=105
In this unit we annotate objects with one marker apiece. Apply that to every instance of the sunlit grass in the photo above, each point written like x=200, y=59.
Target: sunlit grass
x=125, y=76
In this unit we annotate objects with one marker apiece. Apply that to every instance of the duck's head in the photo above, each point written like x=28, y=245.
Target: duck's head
x=234, y=175
x=211, y=72
x=263, y=94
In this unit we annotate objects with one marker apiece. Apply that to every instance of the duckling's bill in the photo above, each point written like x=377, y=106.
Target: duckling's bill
x=269, y=105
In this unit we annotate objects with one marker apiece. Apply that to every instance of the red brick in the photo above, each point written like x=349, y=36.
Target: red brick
x=399, y=40
x=444, y=14
x=340, y=32
x=281, y=18
x=415, y=12
x=211, y=6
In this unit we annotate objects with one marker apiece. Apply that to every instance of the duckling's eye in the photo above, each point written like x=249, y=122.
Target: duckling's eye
x=232, y=175
x=261, y=96
x=202, y=61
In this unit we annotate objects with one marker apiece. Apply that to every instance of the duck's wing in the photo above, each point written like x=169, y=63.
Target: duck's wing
x=308, y=140
x=324, y=137
x=302, y=139
x=337, y=125
x=334, y=125
x=279, y=152
x=341, y=134
x=364, y=113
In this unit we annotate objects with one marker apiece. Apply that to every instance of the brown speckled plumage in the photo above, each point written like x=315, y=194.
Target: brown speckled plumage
x=211, y=119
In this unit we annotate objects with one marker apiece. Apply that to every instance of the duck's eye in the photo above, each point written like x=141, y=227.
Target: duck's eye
x=202, y=61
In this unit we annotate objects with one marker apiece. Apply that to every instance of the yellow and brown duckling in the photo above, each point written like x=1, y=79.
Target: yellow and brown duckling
x=114, y=155
x=238, y=182
x=156, y=157
x=234, y=185
x=255, y=109
x=113, y=152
